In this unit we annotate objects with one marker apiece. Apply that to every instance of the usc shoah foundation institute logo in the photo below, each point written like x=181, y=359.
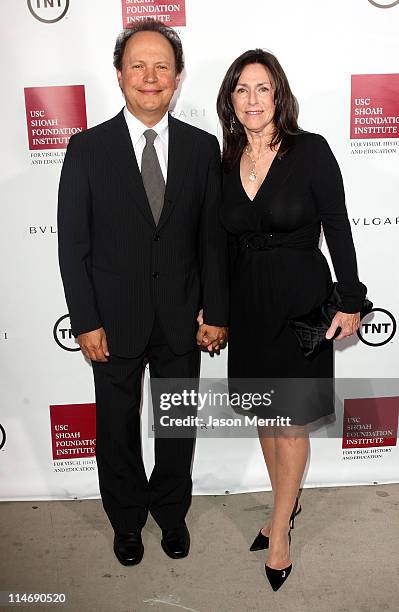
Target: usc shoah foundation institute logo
x=73, y=431
x=374, y=106
x=170, y=13
x=54, y=114
x=370, y=422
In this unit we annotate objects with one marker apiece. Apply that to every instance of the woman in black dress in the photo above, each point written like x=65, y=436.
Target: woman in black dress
x=281, y=184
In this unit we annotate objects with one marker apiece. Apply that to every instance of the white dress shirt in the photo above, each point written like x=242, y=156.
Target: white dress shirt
x=161, y=142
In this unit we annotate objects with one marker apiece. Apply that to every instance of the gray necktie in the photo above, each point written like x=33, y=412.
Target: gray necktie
x=151, y=173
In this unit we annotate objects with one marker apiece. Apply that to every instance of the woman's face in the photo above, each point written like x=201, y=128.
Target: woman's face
x=253, y=99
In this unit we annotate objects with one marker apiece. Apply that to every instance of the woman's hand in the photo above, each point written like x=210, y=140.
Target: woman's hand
x=348, y=323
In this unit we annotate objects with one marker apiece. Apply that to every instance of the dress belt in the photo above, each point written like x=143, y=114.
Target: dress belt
x=305, y=238
x=259, y=242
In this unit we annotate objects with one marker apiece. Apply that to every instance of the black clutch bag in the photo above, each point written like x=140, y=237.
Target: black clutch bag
x=311, y=328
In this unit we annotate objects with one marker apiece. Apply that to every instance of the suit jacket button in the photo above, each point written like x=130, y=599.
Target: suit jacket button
x=156, y=237
x=155, y=274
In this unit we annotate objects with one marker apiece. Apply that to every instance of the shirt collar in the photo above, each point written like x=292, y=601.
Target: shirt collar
x=137, y=127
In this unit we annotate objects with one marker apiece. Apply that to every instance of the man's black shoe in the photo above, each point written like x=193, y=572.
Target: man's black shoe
x=128, y=547
x=176, y=542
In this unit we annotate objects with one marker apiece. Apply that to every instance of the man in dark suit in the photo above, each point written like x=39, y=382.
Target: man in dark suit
x=141, y=251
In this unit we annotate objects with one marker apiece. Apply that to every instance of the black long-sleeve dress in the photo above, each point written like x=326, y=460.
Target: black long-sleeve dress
x=278, y=271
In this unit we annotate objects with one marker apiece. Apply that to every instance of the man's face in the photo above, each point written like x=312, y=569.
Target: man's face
x=148, y=77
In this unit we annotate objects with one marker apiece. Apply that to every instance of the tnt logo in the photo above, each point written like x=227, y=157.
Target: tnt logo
x=48, y=11
x=377, y=328
x=384, y=4
x=63, y=334
x=3, y=436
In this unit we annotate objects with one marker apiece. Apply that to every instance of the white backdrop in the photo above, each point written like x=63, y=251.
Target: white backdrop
x=326, y=48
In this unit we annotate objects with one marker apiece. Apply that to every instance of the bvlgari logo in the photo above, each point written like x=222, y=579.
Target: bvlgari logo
x=48, y=11
x=376, y=221
x=42, y=230
x=382, y=4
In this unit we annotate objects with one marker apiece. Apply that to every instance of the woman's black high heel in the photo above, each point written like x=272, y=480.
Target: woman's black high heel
x=297, y=510
x=261, y=542
x=277, y=577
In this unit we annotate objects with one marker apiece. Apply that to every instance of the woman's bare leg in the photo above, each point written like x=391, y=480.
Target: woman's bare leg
x=268, y=445
x=290, y=458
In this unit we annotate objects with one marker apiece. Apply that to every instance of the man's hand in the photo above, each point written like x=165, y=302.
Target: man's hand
x=211, y=337
x=94, y=345
x=348, y=323
x=200, y=318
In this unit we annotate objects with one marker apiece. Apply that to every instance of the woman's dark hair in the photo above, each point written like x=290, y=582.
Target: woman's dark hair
x=286, y=111
x=149, y=25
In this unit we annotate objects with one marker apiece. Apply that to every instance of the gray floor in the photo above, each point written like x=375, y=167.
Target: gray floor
x=344, y=549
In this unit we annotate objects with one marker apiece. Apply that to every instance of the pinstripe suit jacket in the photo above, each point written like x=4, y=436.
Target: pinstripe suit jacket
x=118, y=268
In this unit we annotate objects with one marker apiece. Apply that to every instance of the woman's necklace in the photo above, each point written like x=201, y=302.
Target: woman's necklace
x=253, y=177
x=252, y=174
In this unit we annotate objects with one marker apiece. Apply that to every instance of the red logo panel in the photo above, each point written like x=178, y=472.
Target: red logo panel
x=370, y=422
x=73, y=430
x=170, y=13
x=375, y=106
x=54, y=114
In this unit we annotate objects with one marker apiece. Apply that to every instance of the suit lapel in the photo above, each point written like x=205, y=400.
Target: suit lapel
x=118, y=144
x=180, y=150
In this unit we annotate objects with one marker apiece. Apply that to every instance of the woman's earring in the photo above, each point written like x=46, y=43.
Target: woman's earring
x=232, y=125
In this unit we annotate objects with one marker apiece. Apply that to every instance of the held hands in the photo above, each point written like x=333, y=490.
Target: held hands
x=348, y=323
x=94, y=345
x=210, y=337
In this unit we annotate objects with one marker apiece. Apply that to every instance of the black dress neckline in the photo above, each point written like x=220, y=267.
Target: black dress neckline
x=286, y=144
x=269, y=172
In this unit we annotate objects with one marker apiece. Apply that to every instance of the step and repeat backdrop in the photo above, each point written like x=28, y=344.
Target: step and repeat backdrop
x=342, y=60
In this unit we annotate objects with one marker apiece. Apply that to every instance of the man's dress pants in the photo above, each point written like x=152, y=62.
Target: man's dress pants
x=127, y=494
